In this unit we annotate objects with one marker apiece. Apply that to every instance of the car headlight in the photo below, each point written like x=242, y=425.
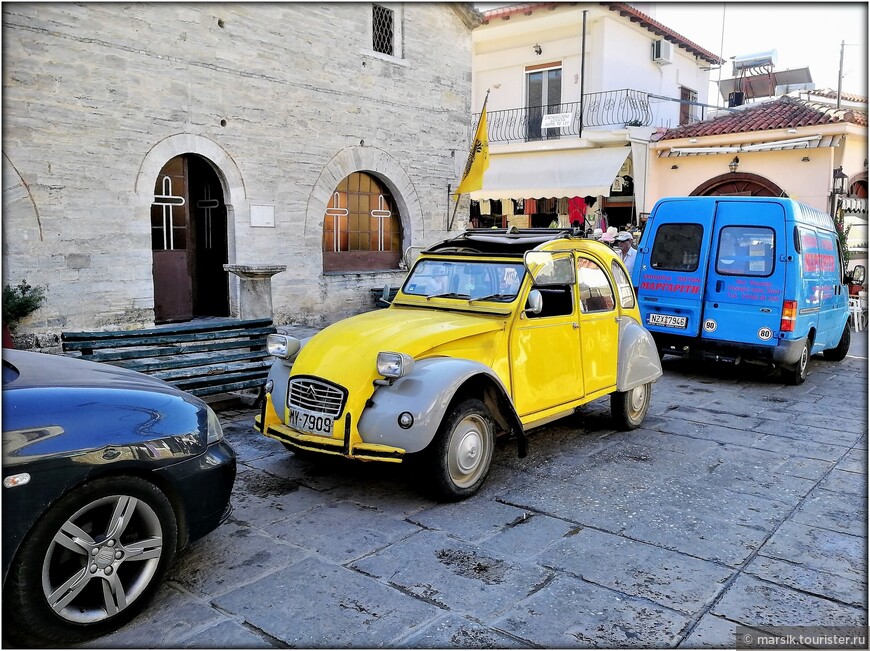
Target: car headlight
x=215, y=431
x=282, y=346
x=394, y=365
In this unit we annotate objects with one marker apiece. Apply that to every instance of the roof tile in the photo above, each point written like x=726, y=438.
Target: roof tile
x=781, y=113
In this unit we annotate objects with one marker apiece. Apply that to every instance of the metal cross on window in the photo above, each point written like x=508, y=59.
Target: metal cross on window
x=335, y=211
x=207, y=204
x=167, y=200
x=381, y=213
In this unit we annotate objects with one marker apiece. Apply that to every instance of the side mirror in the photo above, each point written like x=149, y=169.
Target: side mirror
x=857, y=275
x=535, y=304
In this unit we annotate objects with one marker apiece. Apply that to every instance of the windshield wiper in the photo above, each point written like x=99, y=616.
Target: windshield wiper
x=449, y=295
x=493, y=296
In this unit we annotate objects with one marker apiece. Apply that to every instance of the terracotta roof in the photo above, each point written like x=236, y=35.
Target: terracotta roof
x=782, y=113
x=832, y=94
x=624, y=10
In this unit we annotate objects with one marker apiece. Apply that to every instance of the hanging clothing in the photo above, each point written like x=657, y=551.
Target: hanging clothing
x=531, y=206
x=562, y=206
x=485, y=207
x=508, y=207
x=577, y=210
x=495, y=206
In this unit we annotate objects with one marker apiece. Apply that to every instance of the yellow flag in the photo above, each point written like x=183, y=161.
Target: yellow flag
x=478, y=160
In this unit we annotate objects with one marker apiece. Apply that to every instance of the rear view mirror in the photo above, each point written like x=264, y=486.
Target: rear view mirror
x=857, y=275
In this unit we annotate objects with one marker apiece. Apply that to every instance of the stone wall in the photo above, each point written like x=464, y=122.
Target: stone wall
x=282, y=99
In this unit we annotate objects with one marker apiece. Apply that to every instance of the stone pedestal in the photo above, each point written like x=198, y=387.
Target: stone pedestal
x=255, y=288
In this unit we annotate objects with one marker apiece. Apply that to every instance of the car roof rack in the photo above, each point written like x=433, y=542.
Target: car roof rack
x=511, y=241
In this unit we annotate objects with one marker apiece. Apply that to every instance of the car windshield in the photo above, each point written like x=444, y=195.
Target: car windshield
x=469, y=280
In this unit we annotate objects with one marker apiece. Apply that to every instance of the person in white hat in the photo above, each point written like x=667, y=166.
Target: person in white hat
x=609, y=236
x=624, y=241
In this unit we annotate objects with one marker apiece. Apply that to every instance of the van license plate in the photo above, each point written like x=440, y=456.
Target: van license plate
x=668, y=320
x=309, y=422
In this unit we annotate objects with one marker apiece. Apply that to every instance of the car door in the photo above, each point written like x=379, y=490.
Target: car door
x=746, y=274
x=545, y=358
x=599, y=327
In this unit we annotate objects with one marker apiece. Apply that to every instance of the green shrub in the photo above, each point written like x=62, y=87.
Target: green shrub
x=21, y=300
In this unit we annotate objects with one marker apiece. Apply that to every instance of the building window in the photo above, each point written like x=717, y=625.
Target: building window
x=688, y=112
x=361, y=228
x=543, y=96
x=384, y=30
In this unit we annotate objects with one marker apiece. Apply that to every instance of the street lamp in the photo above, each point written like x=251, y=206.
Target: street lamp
x=733, y=164
x=839, y=184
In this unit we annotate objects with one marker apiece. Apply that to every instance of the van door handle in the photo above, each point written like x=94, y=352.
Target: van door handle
x=719, y=285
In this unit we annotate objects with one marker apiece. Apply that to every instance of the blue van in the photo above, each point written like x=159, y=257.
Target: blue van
x=751, y=279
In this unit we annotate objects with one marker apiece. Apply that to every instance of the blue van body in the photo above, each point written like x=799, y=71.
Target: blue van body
x=743, y=279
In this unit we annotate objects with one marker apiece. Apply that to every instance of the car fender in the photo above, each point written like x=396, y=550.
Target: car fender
x=639, y=360
x=426, y=393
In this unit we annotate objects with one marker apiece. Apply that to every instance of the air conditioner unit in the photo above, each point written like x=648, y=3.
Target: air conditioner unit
x=662, y=52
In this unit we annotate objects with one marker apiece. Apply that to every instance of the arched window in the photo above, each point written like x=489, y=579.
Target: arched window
x=361, y=227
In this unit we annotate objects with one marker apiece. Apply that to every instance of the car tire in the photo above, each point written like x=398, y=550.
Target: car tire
x=838, y=354
x=459, y=458
x=628, y=408
x=797, y=373
x=107, y=573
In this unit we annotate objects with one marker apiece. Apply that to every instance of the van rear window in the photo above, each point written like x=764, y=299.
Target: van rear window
x=745, y=251
x=677, y=247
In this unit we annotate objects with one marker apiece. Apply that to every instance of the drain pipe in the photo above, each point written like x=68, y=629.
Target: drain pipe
x=582, y=70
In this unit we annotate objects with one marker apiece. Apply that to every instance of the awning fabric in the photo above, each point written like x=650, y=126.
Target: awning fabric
x=545, y=174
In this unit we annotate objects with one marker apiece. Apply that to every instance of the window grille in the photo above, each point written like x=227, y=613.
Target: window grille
x=383, y=29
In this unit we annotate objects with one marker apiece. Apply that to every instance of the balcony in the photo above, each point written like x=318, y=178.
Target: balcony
x=615, y=108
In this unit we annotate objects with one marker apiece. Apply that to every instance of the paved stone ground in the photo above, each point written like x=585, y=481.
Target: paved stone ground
x=740, y=501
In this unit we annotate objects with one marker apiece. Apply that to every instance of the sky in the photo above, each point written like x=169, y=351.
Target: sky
x=804, y=34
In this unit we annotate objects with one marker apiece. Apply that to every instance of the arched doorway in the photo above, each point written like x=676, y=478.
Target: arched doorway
x=739, y=184
x=189, y=241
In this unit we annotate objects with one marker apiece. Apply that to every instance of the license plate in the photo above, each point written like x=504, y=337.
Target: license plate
x=668, y=320
x=309, y=422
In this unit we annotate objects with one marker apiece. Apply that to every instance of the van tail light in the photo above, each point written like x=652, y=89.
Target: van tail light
x=789, y=316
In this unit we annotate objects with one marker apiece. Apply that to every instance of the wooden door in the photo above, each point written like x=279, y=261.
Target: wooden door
x=171, y=268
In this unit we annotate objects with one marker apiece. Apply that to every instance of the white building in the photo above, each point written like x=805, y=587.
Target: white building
x=574, y=92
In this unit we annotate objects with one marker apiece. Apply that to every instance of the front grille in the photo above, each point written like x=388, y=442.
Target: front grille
x=319, y=396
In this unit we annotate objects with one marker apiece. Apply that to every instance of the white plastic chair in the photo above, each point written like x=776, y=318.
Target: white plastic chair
x=856, y=312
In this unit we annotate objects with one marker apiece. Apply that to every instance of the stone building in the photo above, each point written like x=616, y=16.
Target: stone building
x=145, y=146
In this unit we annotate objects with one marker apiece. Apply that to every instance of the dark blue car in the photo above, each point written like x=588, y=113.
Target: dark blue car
x=107, y=473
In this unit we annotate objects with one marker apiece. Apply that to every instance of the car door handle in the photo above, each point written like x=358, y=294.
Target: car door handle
x=719, y=284
x=575, y=325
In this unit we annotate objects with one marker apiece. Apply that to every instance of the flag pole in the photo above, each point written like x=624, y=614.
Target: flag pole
x=470, y=158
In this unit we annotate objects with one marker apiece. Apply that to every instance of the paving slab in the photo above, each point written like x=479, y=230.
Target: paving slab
x=455, y=632
x=571, y=613
x=456, y=576
x=315, y=604
x=782, y=606
x=668, y=578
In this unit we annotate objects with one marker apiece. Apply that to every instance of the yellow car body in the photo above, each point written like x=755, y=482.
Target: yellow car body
x=535, y=325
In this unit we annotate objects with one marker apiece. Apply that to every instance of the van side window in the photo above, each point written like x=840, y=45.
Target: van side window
x=623, y=286
x=745, y=251
x=677, y=247
x=596, y=294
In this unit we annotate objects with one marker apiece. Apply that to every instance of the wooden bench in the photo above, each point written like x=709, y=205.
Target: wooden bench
x=202, y=358
x=383, y=296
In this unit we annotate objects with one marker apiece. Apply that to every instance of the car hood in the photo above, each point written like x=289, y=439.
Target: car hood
x=28, y=370
x=355, y=342
x=56, y=406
